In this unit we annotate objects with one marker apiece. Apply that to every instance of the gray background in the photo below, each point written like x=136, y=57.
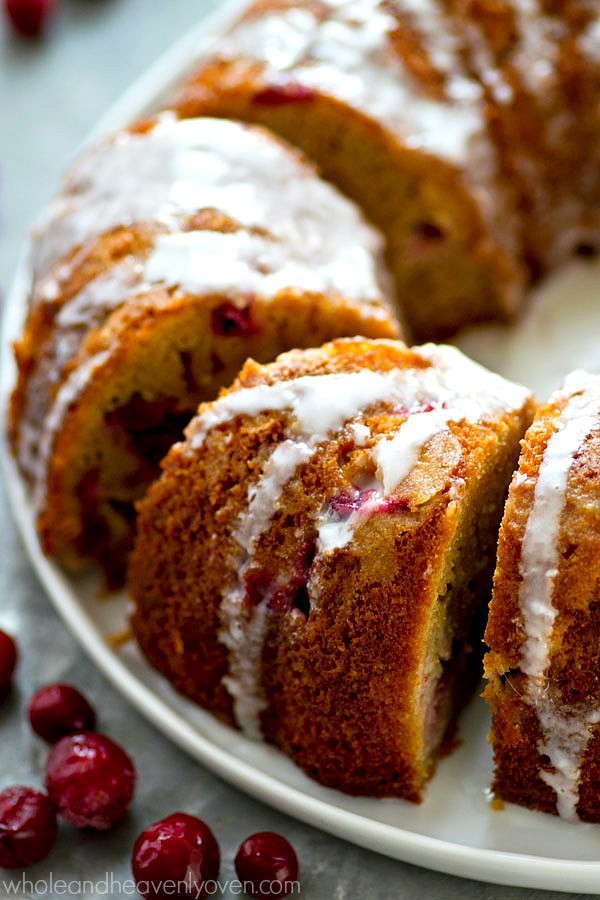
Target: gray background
x=51, y=94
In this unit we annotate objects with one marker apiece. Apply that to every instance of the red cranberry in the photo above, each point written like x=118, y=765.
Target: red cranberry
x=267, y=865
x=280, y=94
x=59, y=709
x=8, y=661
x=402, y=410
x=425, y=238
x=368, y=502
x=263, y=587
x=27, y=827
x=346, y=504
x=428, y=230
x=90, y=780
x=228, y=320
x=29, y=17
x=179, y=849
x=393, y=505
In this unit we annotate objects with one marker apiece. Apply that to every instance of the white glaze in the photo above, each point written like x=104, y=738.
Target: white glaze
x=318, y=242
x=565, y=730
x=589, y=41
x=243, y=634
x=76, y=317
x=201, y=262
x=469, y=393
x=321, y=404
x=263, y=497
x=397, y=456
x=67, y=395
x=242, y=630
x=566, y=735
x=335, y=533
x=348, y=55
x=435, y=31
x=462, y=377
x=536, y=52
x=484, y=63
x=181, y=167
x=100, y=295
x=317, y=404
x=318, y=407
x=360, y=433
x=204, y=262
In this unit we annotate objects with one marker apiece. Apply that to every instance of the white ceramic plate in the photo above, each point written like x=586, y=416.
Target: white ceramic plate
x=455, y=830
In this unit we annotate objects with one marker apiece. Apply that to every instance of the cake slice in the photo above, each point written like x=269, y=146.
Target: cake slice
x=173, y=253
x=314, y=564
x=543, y=666
x=467, y=130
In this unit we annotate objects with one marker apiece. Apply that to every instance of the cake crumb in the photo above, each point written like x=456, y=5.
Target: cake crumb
x=119, y=638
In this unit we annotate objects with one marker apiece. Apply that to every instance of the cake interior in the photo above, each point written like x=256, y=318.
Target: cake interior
x=437, y=246
x=127, y=420
x=452, y=661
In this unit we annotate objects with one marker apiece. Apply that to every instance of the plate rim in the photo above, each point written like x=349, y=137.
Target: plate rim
x=462, y=860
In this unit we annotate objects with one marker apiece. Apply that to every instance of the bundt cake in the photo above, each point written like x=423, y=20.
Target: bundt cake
x=543, y=632
x=173, y=253
x=315, y=561
x=466, y=129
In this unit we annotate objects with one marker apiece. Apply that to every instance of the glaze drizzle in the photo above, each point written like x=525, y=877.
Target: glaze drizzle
x=292, y=231
x=565, y=730
x=319, y=407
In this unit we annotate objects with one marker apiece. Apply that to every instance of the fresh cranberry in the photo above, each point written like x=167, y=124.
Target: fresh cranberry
x=90, y=780
x=8, y=661
x=368, y=503
x=393, y=505
x=27, y=827
x=89, y=489
x=429, y=231
x=29, y=17
x=178, y=850
x=280, y=94
x=264, y=587
x=228, y=320
x=425, y=238
x=267, y=865
x=346, y=504
x=139, y=414
x=423, y=408
x=59, y=709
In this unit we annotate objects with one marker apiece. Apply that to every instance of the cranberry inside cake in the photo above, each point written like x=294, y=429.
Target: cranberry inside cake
x=174, y=252
x=315, y=562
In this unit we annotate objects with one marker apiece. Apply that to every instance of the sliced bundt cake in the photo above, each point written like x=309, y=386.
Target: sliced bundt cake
x=466, y=129
x=172, y=254
x=544, y=626
x=315, y=562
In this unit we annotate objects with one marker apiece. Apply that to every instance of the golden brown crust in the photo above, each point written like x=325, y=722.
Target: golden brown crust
x=437, y=243
x=345, y=687
x=538, y=116
x=111, y=364
x=573, y=672
x=160, y=349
